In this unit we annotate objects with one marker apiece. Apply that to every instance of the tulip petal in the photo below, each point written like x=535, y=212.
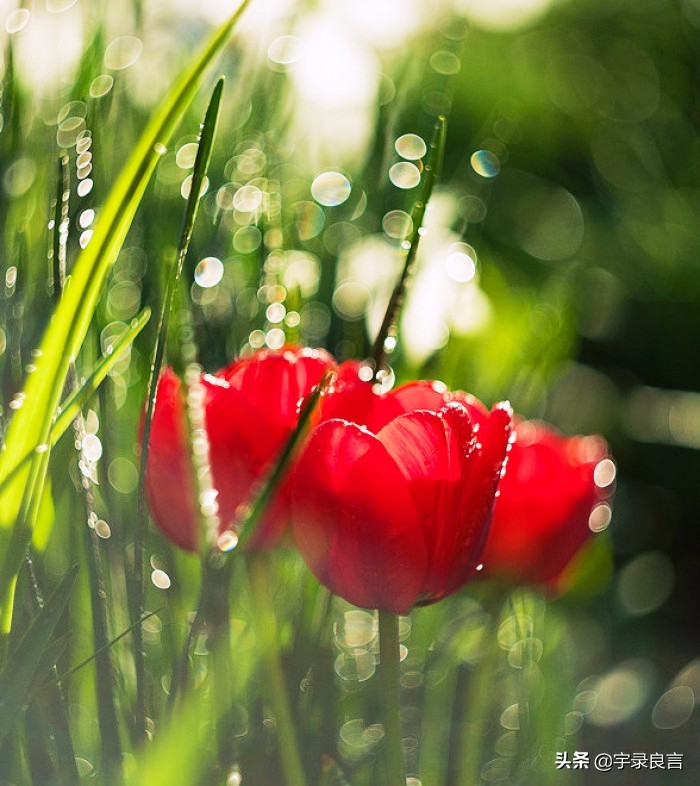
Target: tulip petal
x=546, y=497
x=358, y=401
x=355, y=522
x=168, y=477
x=276, y=381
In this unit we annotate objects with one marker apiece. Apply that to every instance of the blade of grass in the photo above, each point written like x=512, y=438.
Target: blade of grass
x=110, y=644
x=77, y=400
x=31, y=424
x=199, y=172
x=432, y=171
x=20, y=672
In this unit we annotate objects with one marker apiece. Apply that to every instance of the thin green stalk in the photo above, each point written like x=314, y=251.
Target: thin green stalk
x=199, y=171
x=389, y=674
x=53, y=706
x=432, y=170
x=268, y=642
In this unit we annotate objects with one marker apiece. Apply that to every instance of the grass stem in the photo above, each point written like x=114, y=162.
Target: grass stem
x=390, y=697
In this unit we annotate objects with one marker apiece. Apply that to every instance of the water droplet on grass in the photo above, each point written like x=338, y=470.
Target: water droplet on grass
x=209, y=272
x=397, y=224
x=411, y=147
x=160, y=579
x=331, y=189
x=404, y=175
x=101, y=85
x=227, y=541
x=17, y=20
x=485, y=163
x=286, y=50
x=445, y=62
x=122, y=52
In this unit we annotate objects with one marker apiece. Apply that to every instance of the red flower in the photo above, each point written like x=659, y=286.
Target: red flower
x=250, y=410
x=547, y=504
x=393, y=494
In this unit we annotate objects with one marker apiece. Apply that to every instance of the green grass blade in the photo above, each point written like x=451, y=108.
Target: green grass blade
x=72, y=405
x=201, y=165
x=31, y=424
x=432, y=171
x=22, y=669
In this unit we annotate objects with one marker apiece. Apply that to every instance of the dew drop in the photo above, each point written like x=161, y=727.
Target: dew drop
x=86, y=218
x=285, y=50
x=397, y=224
x=275, y=338
x=674, y=708
x=275, y=312
x=101, y=85
x=103, y=529
x=604, y=473
x=227, y=541
x=460, y=264
x=56, y=6
x=91, y=447
x=187, y=187
x=331, y=189
x=84, y=187
x=256, y=339
x=445, y=62
x=186, y=155
x=17, y=20
x=411, y=147
x=404, y=175
x=122, y=52
x=600, y=517
x=248, y=199
x=485, y=163
x=160, y=579
x=209, y=272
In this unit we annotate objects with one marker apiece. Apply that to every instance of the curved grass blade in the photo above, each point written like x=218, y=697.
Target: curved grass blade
x=27, y=659
x=201, y=165
x=77, y=400
x=31, y=424
x=432, y=171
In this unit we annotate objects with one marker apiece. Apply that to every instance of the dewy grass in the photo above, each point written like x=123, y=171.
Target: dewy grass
x=31, y=423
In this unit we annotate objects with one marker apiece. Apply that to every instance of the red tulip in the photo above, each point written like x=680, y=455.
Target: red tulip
x=250, y=410
x=548, y=504
x=394, y=491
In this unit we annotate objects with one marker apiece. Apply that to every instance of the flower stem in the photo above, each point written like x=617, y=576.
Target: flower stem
x=389, y=682
x=268, y=642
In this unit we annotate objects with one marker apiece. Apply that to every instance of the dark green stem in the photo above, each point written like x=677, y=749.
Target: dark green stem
x=268, y=643
x=389, y=674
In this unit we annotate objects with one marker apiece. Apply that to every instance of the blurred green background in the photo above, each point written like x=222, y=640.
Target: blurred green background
x=560, y=269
